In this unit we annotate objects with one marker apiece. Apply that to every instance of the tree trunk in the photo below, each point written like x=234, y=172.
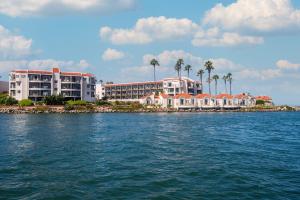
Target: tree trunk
x=209, y=83
x=154, y=73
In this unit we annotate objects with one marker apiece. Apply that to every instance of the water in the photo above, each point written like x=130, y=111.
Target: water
x=150, y=156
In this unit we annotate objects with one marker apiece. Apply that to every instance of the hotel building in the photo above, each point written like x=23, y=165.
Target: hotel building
x=137, y=90
x=36, y=84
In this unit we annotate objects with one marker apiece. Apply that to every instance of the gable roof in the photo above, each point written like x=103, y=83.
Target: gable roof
x=264, y=98
x=203, y=96
x=183, y=95
x=222, y=96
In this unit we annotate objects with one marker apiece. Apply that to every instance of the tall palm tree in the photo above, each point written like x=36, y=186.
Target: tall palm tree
x=179, y=63
x=209, y=67
x=188, y=68
x=200, y=74
x=215, y=78
x=225, y=82
x=154, y=63
x=229, y=77
x=178, y=69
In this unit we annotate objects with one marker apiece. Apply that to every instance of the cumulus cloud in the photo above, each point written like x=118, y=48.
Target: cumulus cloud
x=13, y=45
x=7, y=66
x=214, y=37
x=169, y=58
x=287, y=65
x=112, y=54
x=147, y=30
x=260, y=15
x=15, y=8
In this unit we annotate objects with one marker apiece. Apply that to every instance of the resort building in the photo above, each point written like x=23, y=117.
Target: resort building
x=177, y=93
x=36, y=84
x=201, y=101
x=137, y=90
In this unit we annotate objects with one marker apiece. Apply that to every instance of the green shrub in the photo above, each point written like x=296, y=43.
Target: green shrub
x=54, y=100
x=103, y=103
x=260, y=102
x=77, y=103
x=7, y=100
x=25, y=102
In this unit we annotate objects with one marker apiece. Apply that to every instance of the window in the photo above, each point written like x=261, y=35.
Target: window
x=19, y=91
x=17, y=76
x=23, y=76
x=181, y=102
x=88, y=93
x=170, y=84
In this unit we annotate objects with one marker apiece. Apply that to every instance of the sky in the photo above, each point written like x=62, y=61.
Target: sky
x=258, y=41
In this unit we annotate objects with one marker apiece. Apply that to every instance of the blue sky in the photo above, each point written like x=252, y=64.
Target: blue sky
x=258, y=41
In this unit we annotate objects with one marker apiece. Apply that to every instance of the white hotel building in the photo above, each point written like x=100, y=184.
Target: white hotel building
x=178, y=93
x=137, y=90
x=36, y=84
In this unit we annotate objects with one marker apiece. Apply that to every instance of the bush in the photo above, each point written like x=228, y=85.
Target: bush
x=25, y=102
x=103, y=103
x=260, y=102
x=7, y=100
x=77, y=103
x=54, y=100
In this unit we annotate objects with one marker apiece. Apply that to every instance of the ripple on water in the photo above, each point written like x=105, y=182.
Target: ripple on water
x=150, y=156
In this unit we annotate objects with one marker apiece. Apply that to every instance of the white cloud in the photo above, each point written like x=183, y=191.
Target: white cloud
x=224, y=65
x=112, y=54
x=287, y=65
x=147, y=30
x=260, y=15
x=263, y=74
x=169, y=58
x=12, y=45
x=213, y=37
x=7, y=66
x=15, y=8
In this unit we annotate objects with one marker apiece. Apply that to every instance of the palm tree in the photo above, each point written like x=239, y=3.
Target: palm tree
x=200, y=74
x=179, y=63
x=154, y=63
x=188, y=68
x=229, y=77
x=225, y=82
x=215, y=78
x=209, y=67
x=178, y=69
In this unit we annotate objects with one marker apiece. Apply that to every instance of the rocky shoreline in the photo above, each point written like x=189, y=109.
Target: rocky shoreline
x=105, y=109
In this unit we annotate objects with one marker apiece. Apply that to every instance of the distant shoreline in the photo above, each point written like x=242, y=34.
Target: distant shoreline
x=104, y=109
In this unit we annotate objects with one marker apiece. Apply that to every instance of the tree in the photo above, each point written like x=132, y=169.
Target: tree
x=154, y=63
x=178, y=66
x=188, y=68
x=215, y=78
x=225, y=82
x=209, y=67
x=229, y=77
x=200, y=74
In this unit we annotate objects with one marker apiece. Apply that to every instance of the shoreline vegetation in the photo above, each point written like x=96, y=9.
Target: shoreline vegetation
x=56, y=104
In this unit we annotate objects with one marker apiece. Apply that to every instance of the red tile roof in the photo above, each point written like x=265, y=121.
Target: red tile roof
x=54, y=70
x=183, y=95
x=203, y=96
x=264, y=98
x=222, y=96
x=164, y=96
x=241, y=96
x=33, y=72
